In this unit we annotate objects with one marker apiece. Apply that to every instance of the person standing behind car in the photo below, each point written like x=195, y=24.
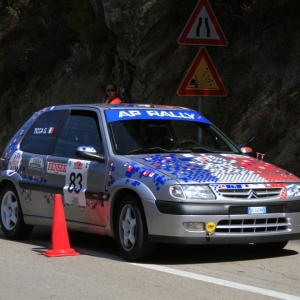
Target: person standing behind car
x=111, y=90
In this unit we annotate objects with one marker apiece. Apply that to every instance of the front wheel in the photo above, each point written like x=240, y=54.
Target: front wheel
x=11, y=216
x=131, y=229
x=271, y=247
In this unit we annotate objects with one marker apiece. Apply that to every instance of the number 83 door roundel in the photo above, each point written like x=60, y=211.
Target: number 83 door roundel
x=76, y=182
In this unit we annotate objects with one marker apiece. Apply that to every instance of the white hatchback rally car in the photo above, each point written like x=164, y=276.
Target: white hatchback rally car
x=144, y=174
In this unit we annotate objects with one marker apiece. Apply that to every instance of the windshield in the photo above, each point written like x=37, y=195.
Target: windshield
x=160, y=136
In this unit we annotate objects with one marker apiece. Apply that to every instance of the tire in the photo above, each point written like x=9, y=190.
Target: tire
x=131, y=230
x=11, y=216
x=271, y=247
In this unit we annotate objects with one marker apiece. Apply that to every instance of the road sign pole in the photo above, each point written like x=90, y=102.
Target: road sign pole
x=200, y=105
x=200, y=110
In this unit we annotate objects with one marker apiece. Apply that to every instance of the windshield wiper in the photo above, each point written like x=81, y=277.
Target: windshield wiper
x=205, y=150
x=158, y=150
x=147, y=150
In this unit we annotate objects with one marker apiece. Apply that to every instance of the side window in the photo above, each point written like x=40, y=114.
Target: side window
x=41, y=135
x=80, y=129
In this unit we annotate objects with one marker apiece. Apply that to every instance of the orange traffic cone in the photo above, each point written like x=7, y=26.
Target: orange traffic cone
x=60, y=245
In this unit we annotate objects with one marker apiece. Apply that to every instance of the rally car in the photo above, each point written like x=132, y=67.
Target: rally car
x=144, y=174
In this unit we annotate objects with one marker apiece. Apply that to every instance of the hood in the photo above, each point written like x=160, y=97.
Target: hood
x=214, y=168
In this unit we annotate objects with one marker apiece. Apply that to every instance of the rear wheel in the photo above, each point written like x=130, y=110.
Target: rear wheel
x=11, y=216
x=273, y=246
x=131, y=229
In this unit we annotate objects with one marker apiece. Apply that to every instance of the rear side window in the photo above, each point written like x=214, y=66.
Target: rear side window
x=41, y=136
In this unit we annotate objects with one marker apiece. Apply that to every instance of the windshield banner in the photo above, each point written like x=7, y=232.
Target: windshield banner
x=141, y=114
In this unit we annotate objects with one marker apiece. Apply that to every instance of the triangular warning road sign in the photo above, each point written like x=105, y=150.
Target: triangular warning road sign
x=202, y=78
x=202, y=28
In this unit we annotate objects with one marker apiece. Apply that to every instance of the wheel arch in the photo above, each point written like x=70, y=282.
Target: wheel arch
x=4, y=183
x=19, y=230
x=7, y=181
x=117, y=198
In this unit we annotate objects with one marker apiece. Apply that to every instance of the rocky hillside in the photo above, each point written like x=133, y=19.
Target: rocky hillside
x=66, y=52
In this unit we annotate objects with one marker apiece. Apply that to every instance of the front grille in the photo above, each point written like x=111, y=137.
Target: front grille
x=261, y=193
x=252, y=225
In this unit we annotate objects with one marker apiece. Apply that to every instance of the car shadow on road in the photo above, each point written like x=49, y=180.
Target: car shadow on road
x=198, y=254
x=166, y=254
x=169, y=254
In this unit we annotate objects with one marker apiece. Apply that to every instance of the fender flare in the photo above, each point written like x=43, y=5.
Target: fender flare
x=143, y=192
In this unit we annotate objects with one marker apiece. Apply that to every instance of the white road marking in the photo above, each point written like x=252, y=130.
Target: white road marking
x=234, y=285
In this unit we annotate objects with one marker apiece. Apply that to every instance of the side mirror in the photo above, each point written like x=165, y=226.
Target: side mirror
x=246, y=150
x=90, y=153
x=246, y=144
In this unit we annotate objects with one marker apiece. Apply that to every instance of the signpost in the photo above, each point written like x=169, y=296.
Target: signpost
x=202, y=28
x=202, y=78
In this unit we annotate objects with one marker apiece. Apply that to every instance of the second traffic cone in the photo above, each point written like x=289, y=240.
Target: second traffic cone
x=60, y=245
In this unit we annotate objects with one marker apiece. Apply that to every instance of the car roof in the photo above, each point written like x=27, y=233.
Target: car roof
x=103, y=106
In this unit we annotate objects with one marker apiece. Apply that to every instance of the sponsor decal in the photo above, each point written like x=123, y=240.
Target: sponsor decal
x=74, y=200
x=180, y=115
x=77, y=165
x=36, y=163
x=162, y=113
x=14, y=162
x=128, y=114
x=45, y=130
x=56, y=168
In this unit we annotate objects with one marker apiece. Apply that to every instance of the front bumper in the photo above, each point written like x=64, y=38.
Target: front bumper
x=233, y=224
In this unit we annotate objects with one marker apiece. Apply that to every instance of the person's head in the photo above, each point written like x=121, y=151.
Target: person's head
x=111, y=91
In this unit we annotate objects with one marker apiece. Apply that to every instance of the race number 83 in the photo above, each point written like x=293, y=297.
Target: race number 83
x=76, y=182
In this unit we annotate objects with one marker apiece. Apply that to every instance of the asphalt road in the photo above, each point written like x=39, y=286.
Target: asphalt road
x=175, y=272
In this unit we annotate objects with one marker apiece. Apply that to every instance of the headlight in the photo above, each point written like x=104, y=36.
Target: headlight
x=293, y=190
x=192, y=192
